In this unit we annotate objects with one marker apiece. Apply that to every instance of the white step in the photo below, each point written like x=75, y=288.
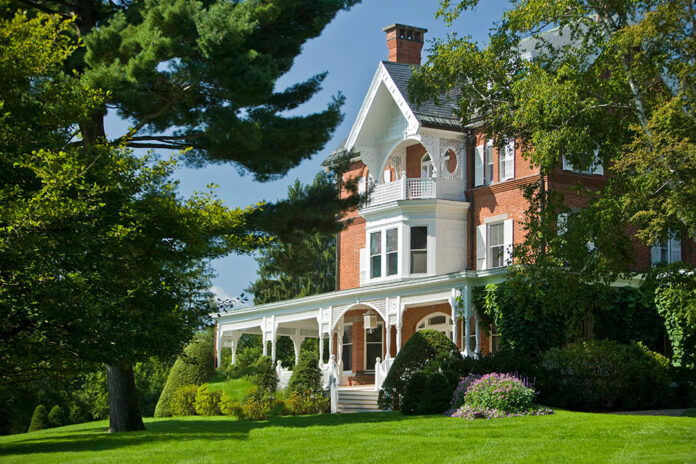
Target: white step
x=357, y=400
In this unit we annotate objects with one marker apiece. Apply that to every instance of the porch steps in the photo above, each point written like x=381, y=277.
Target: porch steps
x=358, y=400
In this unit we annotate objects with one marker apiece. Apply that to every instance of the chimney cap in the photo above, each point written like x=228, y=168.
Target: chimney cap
x=403, y=26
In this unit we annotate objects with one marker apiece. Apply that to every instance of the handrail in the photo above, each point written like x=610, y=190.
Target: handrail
x=417, y=189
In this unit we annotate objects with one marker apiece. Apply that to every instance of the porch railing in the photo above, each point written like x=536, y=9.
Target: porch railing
x=418, y=189
x=381, y=371
x=283, y=376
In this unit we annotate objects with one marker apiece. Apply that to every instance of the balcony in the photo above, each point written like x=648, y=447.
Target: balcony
x=418, y=189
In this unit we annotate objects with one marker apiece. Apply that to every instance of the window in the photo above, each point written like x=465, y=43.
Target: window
x=450, y=161
x=488, y=169
x=347, y=348
x=389, y=174
x=437, y=321
x=594, y=168
x=419, y=250
x=375, y=255
x=472, y=334
x=666, y=252
x=392, y=251
x=373, y=346
x=494, y=340
x=507, y=161
x=496, y=245
x=427, y=166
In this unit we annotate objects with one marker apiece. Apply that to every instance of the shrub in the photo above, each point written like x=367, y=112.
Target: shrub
x=502, y=392
x=57, y=417
x=195, y=367
x=427, y=392
x=183, y=402
x=675, y=297
x=460, y=391
x=207, y=402
x=605, y=375
x=306, y=402
x=39, y=421
x=266, y=378
x=306, y=376
x=423, y=348
x=257, y=405
x=229, y=407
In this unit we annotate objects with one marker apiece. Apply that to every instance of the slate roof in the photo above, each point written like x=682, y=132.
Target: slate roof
x=428, y=114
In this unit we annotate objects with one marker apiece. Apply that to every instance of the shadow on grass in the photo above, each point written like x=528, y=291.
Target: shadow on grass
x=177, y=429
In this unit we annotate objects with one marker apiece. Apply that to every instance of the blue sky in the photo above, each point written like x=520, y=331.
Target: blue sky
x=350, y=49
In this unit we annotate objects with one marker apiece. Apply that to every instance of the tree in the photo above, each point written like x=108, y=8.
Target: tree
x=103, y=263
x=616, y=80
x=303, y=265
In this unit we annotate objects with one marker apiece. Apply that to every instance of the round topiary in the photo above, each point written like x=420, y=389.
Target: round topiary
x=39, y=420
x=419, y=351
x=306, y=377
x=57, y=416
x=195, y=367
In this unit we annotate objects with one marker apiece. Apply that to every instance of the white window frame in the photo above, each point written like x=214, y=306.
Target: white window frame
x=490, y=247
x=343, y=345
x=672, y=247
x=448, y=322
x=427, y=166
x=373, y=255
x=595, y=168
x=493, y=334
x=384, y=255
x=489, y=163
x=507, y=161
x=394, y=252
x=410, y=250
x=483, y=255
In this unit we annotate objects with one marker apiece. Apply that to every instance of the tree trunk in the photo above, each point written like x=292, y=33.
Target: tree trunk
x=124, y=411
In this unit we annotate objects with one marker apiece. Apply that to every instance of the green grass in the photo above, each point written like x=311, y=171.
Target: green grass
x=377, y=437
x=235, y=388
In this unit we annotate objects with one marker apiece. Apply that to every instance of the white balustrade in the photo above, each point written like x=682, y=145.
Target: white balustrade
x=381, y=371
x=418, y=189
x=283, y=376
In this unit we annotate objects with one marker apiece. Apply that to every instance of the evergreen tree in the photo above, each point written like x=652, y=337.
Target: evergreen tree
x=39, y=420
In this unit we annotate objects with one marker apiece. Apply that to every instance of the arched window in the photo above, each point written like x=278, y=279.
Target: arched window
x=389, y=174
x=427, y=166
x=436, y=321
x=450, y=161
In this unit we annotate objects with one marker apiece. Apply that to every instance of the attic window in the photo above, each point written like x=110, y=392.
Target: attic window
x=410, y=35
x=416, y=36
x=402, y=33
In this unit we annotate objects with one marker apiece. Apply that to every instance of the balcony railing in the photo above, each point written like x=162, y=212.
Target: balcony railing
x=418, y=189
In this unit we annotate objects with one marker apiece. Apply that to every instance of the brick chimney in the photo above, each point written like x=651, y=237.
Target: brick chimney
x=405, y=43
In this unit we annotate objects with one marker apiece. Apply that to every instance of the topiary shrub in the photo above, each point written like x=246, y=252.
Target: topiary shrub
x=57, y=417
x=195, y=367
x=207, y=402
x=423, y=348
x=39, y=420
x=605, y=376
x=427, y=392
x=265, y=378
x=306, y=402
x=306, y=377
x=183, y=402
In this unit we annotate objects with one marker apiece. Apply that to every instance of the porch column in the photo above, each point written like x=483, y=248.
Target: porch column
x=466, y=297
x=398, y=327
x=218, y=346
x=274, y=337
x=321, y=346
x=235, y=342
x=478, y=334
x=453, y=304
x=297, y=344
x=388, y=335
x=339, y=345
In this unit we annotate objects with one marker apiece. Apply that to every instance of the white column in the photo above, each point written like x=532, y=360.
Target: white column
x=453, y=304
x=297, y=344
x=388, y=344
x=478, y=334
x=235, y=342
x=218, y=346
x=466, y=298
x=273, y=346
x=321, y=346
x=263, y=336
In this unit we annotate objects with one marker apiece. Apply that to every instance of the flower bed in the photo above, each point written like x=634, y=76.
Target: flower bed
x=494, y=396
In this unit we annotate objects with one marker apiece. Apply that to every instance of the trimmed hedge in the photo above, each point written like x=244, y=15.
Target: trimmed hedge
x=265, y=378
x=39, y=420
x=183, y=401
x=425, y=347
x=57, y=417
x=195, y=367
x=306, y=377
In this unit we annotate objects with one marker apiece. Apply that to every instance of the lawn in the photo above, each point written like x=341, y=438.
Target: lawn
x=375, y=437
x=235, y=388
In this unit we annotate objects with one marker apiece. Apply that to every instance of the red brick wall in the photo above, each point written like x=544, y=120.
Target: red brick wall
x=414, y=153
x=404, y=50
x=351, y=239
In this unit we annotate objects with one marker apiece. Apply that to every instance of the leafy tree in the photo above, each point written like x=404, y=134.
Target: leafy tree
x=621, y=85
x=304, y=265
x=306, y=377
x=39, y=420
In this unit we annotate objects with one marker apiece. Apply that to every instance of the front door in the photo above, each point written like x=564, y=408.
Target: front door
x=373, y=347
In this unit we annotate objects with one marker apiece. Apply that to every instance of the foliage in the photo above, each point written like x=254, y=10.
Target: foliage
x=306, y=376
x=266, y=378
x=150, y=379
x=306, y=402
x=533, y=315
x=460, y=392
x=194, y=367
x=471, y=413
x=422, y=348
x=208, y=403
x=249, y=351
x=301, y=266
x=183, y=401
x=427, y=392
x=675, y=296
x=229, y=407
x=39, y=420
x=57, y=417
x=605, y=375
x=257, y=404
x=502, y=392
